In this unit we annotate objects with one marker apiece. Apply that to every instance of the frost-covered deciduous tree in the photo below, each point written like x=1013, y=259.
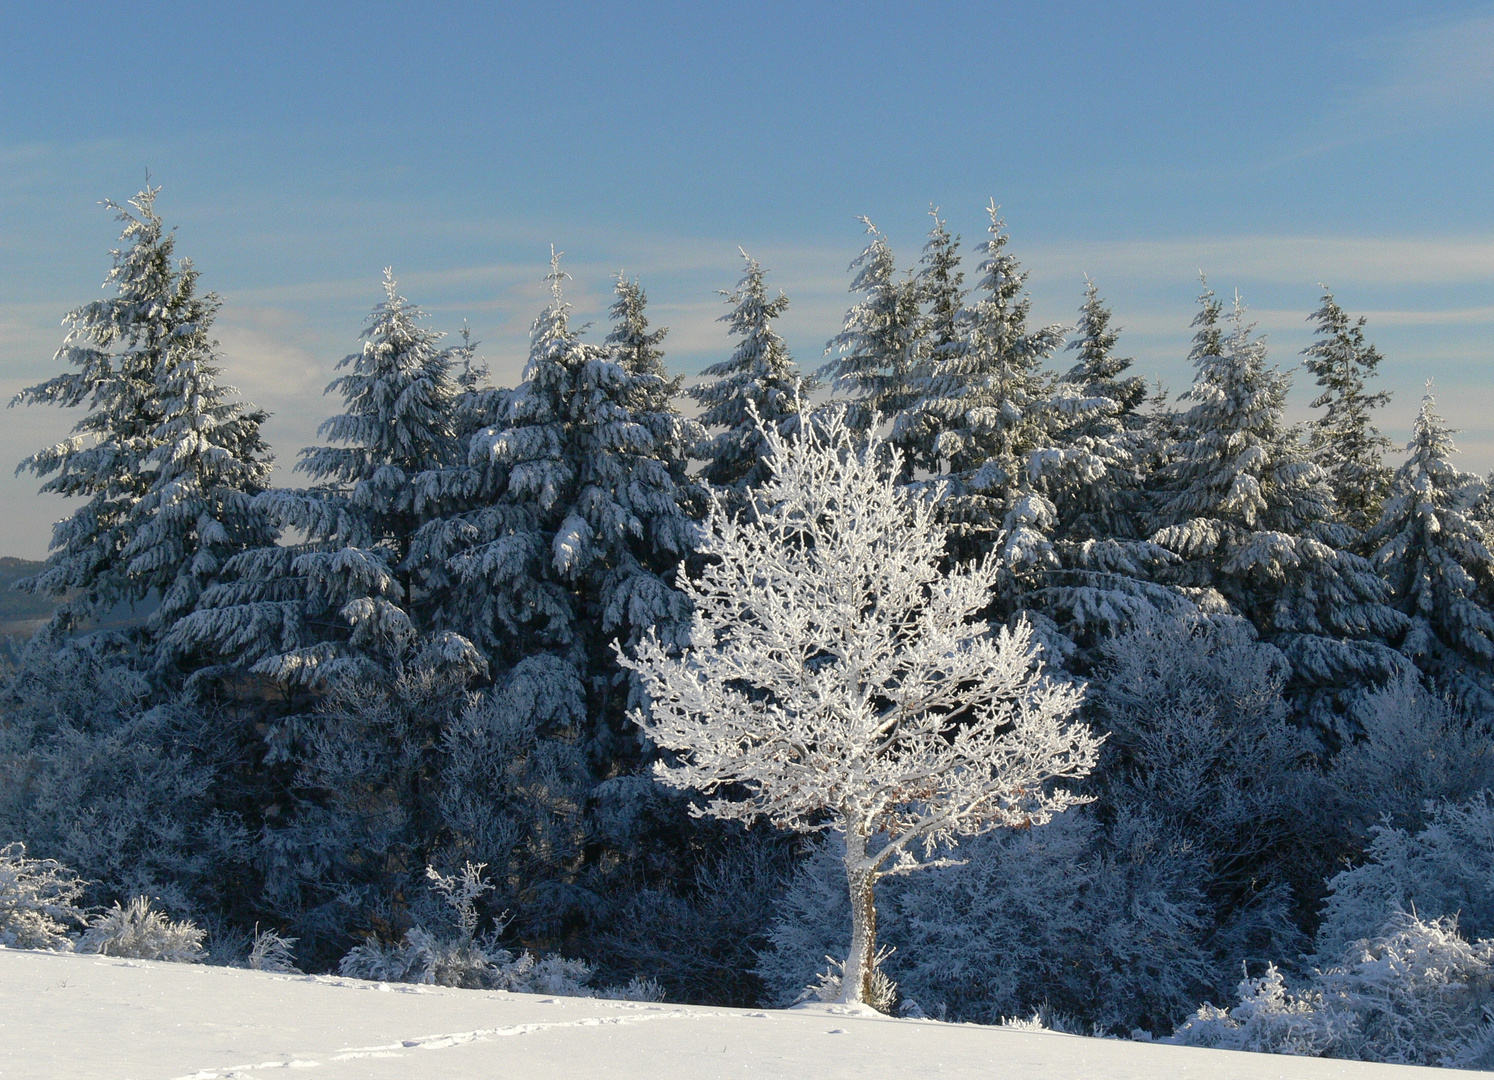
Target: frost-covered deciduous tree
x=759, y=375
x=1438, y=557
x=836, y=679
x=1343, y=440
x=166, y=463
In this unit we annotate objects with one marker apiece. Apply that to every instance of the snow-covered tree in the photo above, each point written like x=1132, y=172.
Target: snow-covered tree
x=1343, y=440
x=345, y=593
x=1437, y=556
x=878, y=349
x=166, y=462
x=1251, y=517
x=592, y=505
x=983, y=411
x=940, y=285
x=836, y=679
x=979, y=408
x=1094, y=473
x=1093, y=469
x=759, y=372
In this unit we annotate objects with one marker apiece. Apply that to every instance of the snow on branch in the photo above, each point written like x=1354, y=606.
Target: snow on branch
x=836, y=678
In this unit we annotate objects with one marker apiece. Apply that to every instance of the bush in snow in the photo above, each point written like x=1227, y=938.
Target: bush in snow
x=1201, y=742
x=1415, y=747
x=1106, y=925
x=37, y=901
x=125, y=792
x=464, y=958
x=700, y=940
x=271, y=952
x=1416, y=993
x=1268, y=1020
x=1445, y=869
x=142, y=933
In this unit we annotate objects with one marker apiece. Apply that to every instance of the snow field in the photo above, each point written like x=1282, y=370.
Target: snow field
x=71, y=1017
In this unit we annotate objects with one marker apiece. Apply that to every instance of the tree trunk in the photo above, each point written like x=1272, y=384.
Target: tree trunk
x=856, y=981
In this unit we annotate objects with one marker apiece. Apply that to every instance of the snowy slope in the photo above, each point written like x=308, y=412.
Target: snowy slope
x=64, y=1016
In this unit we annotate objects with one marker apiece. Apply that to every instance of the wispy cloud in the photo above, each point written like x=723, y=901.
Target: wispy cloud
x=1298, y=260
x=1438, y=75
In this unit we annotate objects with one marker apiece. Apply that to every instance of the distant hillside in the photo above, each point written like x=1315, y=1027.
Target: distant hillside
x=20, y=612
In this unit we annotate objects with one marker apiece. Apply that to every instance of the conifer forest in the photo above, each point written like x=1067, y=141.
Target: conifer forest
x=958, y=672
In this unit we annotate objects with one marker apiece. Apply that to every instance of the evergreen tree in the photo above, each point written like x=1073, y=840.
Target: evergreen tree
x=761, y=372
x=1342, y=439
x=343, y=597
x=983, y=413
x=200, y=510
x=878, y=348
x=1094, y=471
x=593, y=507
x=940, y=285
x=1096, y=480
x=1252, y=518
x=1439, y=560
x=167, y=464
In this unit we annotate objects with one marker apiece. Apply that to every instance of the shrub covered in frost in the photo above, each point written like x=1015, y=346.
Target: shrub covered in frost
x=1445, y=869
x=37, y=901
x=138, y=931
x=271, y=952
x=1105, y=924
x=464, y=958
x=1417, y=993
x=1414, y=746
x=700, y=941
x=416, y=770
x=121, y=790
x=1202, y=742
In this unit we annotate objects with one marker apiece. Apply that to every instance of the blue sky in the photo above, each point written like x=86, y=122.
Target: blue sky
x=302, y=148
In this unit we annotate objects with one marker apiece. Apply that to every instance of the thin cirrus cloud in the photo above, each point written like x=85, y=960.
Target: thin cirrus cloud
x=1288, y=259
x=1441, y=75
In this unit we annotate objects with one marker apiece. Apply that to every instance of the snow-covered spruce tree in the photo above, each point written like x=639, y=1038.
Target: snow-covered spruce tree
x=835, y=679
x=1253, y=519
x=938, y=290
x=983, y=411
x=759, y=371
x=593, y=508
x=342, y=597
x=1438, y=558
x=1093, y=470
x=1343, y=440
x=940, y=285
x=878, y=349
x=1095, y=477
x=166, y=463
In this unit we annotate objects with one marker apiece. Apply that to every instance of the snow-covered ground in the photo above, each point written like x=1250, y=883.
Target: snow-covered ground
x=68, y=1015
